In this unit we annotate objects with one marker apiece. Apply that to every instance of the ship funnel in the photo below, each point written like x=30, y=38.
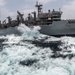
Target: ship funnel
x=49, y=11
x=9, y=19
x=34, y=13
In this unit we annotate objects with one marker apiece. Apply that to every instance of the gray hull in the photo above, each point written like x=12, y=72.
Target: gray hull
x=8, y=31
x=58, y=28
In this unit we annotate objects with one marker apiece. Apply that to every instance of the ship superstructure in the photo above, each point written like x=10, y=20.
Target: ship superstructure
x=43, y=18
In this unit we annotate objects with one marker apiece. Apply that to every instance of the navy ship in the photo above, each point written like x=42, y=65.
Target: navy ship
x=50, y=23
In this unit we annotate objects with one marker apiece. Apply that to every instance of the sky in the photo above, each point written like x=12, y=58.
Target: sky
x=9, y=7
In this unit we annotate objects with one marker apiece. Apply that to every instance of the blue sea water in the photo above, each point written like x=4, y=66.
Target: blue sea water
x=18, y=56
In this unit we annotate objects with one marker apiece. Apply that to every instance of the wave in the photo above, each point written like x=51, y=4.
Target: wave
x=21, y=57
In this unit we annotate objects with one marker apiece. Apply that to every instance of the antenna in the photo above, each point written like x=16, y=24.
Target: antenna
x=0, y=15
x=60, y=10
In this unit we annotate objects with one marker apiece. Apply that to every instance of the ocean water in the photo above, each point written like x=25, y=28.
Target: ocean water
x=20, y=55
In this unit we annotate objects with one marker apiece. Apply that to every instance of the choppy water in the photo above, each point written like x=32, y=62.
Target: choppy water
x=21, y=57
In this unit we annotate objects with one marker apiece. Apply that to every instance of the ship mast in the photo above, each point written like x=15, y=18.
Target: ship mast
x=0, y=17
x=39, y=8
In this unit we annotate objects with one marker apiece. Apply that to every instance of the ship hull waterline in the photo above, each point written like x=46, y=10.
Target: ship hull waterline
x=9, y=31
x=57, y=28
x=60, y=28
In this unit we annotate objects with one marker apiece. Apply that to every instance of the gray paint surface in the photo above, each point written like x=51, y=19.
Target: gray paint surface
x=58, y=28
x=10, y=30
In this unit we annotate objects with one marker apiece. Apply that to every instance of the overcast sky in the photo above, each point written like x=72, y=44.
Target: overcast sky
x=9, y=7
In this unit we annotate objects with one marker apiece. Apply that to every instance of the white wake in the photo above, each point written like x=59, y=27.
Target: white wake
x=16, y=49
